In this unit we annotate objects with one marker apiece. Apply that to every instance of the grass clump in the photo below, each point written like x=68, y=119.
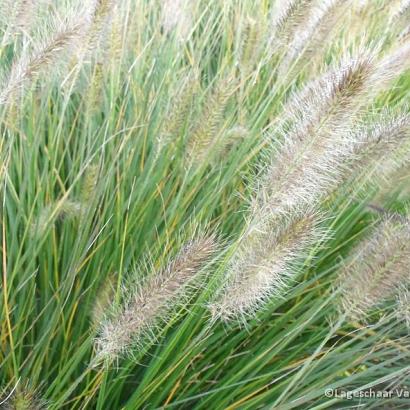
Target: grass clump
x=204, y=204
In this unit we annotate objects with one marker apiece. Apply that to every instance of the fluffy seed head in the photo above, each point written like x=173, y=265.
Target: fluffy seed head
x=101, y=15
x=403, y=306
x=378, y=269
x=264, y=263
x=150, y=302
x=392, y=65
x=207, y=129
x=312, y=36
x=90, y=183
x=95, y=89
x=319, y=150
x=179, y=110
x=287, y=16
x=23, y=13
x=227, y=141
x=66, y=209
x=387, y=137
x=177, y=15
x=251, y=44
x=309, y=162
x=29, y=66
x=23, y=397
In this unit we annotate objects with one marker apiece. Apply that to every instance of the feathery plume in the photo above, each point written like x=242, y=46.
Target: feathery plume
x=307, y=165
x=151, y=301
x=313, y=160
x=28, y=67
x=251, y=44
x=287, y=16
x=227, y=142
x=265, y=262
x=95, y=89
x=89, y=183
x=403, y=306
x=311, y=36
x=319, y=151
x=66, y=210
x=179, y=111
x=100, y=18
x=177, y=16
x=18, y=17
x=23, y=397
x=392, y=65
x=206, y=132
x=387, y=138
x=402, y=13
x=378, y=270
x=116, y=36
x=24, y=14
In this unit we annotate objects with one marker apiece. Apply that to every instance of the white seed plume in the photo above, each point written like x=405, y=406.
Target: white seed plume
x=308, y=163
x=264, y=263
x=403, y=306
x=287, y=16
x=393, y=64
x=251, y=45
x=150, y=302
x=179, y=110
x=17, y=16
x=312, y=36
x=177, y=16
x=402, y=12
x=379, y=268
x=100, y=19
x=65, y=209
x=317, y=155
x=382, y=147
x=23, y=397
x=319, y=151
x=25, y=69
x=206, y=132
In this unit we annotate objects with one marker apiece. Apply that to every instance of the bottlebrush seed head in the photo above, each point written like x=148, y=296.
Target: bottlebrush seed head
x=227, y=141
x=378, y=270
x=403, y=306
x=177, y=15
x=23, y=397
x=312, y=35
x=100, y=19
x=287, y=17
x=29, y=66
x=90, y=183
x=66, y=209
x=206, y=131
x=318, y=151
x=147, y=305
x=265, y=263
x=252, y=43
x=386, y=137
x=180, y=108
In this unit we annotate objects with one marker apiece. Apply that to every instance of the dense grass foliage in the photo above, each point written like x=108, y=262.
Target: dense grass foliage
x=204, y=204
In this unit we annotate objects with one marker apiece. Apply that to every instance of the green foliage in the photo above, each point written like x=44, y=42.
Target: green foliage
x=129, y=127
